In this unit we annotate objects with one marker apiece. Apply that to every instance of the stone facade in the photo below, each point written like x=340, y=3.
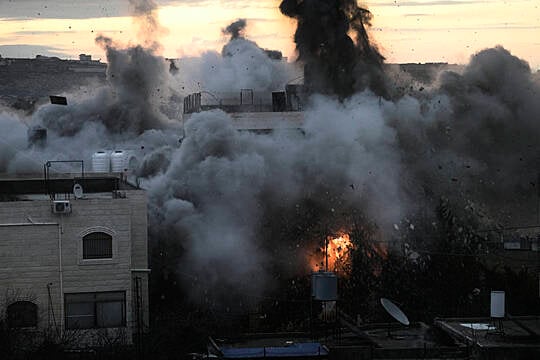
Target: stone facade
x=41, y=256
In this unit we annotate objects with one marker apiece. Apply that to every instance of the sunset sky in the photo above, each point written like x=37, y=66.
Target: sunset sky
x=406, y=31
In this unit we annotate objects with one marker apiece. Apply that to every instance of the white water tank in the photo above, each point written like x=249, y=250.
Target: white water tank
x=101, y=162
x=324, y=286
x=119, y=161
x=497, y=304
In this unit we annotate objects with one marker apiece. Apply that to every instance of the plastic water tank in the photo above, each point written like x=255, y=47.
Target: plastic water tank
x=101, y=162
x=119, y=161
x=497, y=304
x=324, y=286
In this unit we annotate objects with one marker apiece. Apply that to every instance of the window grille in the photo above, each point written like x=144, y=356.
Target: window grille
x=97, y=245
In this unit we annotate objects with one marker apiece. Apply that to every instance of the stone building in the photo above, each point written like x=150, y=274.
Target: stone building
x=73, y=256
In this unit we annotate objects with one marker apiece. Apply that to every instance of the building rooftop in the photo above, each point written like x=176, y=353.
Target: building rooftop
x=517, y=332
x=396, y=341
x=248, y=101
x=33, y=184
x=417, y=335
x=508, y=338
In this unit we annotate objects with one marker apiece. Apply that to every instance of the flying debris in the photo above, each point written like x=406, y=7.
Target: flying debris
x=58, y=100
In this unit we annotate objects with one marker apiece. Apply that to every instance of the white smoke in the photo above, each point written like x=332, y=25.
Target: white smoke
x=246, y=67
x=12, y=138
x=242, y=64
x=222, y=182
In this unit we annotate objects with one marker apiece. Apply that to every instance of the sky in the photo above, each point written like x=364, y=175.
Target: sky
x=405, y=31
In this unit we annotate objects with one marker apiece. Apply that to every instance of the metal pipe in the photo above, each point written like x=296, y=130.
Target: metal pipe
x=28, y=224
x=61, y=272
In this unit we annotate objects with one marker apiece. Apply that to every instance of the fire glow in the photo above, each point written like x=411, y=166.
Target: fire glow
x=336, y=257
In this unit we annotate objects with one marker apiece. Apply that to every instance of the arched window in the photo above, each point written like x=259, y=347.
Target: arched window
x=22, y=314
x=97, y=245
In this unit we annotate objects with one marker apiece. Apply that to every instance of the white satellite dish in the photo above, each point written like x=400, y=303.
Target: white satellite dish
x=78, y=191
x=395, y=311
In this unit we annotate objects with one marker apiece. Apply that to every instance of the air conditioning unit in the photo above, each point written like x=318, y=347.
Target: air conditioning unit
x=61, y=207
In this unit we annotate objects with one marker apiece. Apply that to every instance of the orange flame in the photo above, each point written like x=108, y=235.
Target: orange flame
x=338, y=250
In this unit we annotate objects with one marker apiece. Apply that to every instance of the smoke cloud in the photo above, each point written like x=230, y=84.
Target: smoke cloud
x=335, y=64
x=16, y=142
x=470, y=138
x=473, y=137
x=131, y=103
x=138, y=86
x=222, y=184
x=242, y=64
x=236, y=29
x=145, y=16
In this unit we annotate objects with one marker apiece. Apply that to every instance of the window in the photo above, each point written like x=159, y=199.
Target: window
x=97, y=245
x=95, y=310
x=22, y=314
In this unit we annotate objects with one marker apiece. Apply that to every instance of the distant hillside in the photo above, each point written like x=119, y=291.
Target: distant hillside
x=26, y=81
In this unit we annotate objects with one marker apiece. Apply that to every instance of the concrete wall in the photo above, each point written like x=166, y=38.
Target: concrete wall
x=30, y=253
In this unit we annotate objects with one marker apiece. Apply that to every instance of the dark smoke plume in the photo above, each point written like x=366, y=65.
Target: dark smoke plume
x=334, y=63
x=138, y=85
x=486, y=146
x=145, y=16
x=138, y=77
x=143, y=7
x=236, y=29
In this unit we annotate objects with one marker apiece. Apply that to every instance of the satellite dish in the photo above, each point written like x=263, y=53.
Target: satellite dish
x=78, y=191
x=395, y=311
